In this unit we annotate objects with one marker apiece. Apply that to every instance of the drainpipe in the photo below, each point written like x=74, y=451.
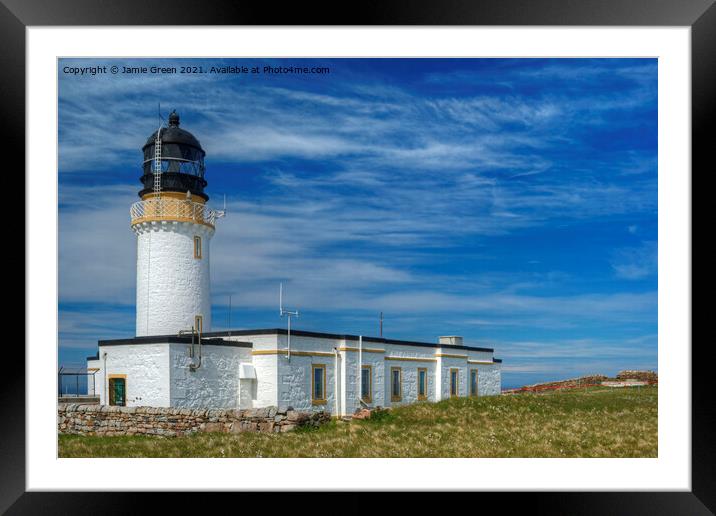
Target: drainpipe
x=360, y=370
x=288, y=354
x=193, y=332
x=104, y=356
x=337, y=385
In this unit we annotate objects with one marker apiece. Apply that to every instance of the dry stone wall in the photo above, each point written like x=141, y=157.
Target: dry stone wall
x=643, y=376
x=110, y=420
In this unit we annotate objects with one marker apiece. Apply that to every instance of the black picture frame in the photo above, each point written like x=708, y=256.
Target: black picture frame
x=700, y=15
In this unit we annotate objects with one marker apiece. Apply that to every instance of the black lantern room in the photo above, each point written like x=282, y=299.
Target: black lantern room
x=182, y=161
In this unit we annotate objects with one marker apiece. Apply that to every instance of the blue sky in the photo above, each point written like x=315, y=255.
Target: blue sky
x=511, y=201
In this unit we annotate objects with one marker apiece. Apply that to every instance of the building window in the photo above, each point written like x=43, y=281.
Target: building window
x=197, y=247
x=366, y=383
x=396, y=387
x=318, y=384
x=422, y=383
x=198, y=323
x=454, y=376
x=117, y=390
x=473, y=382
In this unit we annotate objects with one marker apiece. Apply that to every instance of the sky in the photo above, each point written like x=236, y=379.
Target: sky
x=510, y=201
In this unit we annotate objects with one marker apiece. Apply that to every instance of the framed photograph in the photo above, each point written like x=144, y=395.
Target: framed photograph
x=437, y=247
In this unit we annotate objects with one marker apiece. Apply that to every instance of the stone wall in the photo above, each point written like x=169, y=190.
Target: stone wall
x=110, y=420
x=642, y=376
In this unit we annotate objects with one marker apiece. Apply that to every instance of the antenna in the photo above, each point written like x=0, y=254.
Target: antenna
x=288, y=314
x=221, y=213
x=381, y=324
x=229, y=324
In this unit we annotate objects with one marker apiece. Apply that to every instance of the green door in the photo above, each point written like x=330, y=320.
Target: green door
x=117, y=391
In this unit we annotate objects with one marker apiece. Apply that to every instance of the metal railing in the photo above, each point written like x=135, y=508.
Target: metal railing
x=167, y=208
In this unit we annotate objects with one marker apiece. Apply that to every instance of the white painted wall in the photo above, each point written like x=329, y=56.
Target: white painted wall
x=147, y=370
x=294, y=375
x=158, y=374
x=266, y=366
x=97, y=378
x=293, y=379
x=489, y=380
x=213, y=385
x=172, y=285
x=409, y=372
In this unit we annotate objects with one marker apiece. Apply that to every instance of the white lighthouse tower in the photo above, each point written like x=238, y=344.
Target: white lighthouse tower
x=174, y=228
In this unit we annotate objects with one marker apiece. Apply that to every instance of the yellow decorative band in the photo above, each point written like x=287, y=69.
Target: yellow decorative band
x=365, y=350
x=174, y=195
x=293, y=353
x=171, y=209
x=411, y=359
x=445, y=355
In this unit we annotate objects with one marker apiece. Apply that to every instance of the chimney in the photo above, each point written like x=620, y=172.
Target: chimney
x=450, y=340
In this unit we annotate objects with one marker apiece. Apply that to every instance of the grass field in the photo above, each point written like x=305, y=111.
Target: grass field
x=593, y=422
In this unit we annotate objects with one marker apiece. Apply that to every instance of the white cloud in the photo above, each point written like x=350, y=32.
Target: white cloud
x=634, y=263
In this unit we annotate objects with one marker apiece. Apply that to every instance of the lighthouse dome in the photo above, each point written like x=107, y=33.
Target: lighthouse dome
x=181, y=158
x=174, y=137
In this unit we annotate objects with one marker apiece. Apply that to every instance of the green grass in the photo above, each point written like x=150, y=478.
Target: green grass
x=594, y=422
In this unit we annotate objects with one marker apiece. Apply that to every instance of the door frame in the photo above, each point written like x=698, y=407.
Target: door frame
x=116, y=377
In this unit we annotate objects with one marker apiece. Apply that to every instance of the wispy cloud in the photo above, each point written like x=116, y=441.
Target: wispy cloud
x=635, y=263
x=448, y=199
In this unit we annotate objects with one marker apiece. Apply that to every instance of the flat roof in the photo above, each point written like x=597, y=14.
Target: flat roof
x=174, y=339
x=214, y=338
x=320, y=335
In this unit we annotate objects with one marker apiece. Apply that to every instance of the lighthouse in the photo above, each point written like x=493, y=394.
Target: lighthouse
x=174, y=227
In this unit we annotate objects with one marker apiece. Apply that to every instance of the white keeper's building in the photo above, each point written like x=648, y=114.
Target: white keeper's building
x=177, y=361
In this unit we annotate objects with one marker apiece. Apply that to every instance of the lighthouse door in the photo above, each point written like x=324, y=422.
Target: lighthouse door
x=117, y=391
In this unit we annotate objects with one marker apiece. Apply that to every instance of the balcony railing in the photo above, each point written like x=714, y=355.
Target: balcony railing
x=167, y=208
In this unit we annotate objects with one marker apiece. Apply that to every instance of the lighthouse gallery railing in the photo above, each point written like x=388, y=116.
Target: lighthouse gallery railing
x=167, y=208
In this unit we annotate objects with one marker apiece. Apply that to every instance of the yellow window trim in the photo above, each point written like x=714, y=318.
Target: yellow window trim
x=197, y=247
x=423, y=396
x=322, y=400
x=199, y=323
x=477, y=381
x=393, y=396
x=369, y=398
x=457, y=382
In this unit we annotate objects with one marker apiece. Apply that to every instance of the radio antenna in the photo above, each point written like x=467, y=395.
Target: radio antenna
x=288, y=314
x=229, y=315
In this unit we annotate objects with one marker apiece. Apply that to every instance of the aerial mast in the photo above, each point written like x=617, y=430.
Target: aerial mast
x=288, y=314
